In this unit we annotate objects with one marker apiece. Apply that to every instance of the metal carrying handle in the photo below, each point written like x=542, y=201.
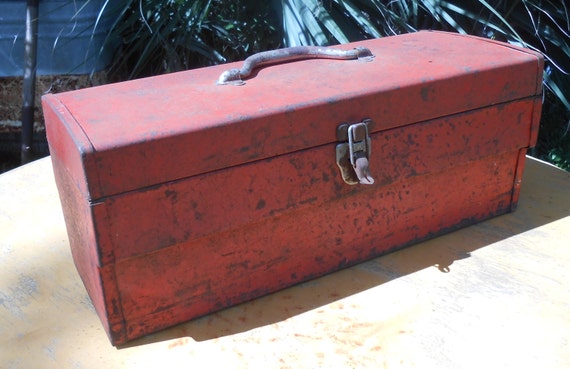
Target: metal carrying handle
x=236, y=76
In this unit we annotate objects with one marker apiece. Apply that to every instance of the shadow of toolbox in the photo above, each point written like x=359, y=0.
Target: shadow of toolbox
x=190, y=192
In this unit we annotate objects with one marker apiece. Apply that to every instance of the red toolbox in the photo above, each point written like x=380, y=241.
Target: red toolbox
x=183, y=196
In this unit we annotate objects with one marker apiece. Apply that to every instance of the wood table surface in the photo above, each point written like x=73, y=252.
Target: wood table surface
x=492, y=295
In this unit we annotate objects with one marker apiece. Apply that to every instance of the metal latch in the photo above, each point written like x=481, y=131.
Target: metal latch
x=353, y=153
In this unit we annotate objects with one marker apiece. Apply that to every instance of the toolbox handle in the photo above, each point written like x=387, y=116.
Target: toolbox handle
x=235, y=76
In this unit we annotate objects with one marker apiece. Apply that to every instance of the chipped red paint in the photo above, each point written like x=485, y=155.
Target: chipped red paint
x=182, y=197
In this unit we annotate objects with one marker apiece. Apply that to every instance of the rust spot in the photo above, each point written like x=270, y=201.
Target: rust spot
x=260, y=204
x=172, y=195
x=424, y=92
x=308, y=201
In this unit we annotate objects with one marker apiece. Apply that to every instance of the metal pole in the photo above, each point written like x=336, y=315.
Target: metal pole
x=29, y=88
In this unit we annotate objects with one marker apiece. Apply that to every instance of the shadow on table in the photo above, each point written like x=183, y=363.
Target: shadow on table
x=541, y=202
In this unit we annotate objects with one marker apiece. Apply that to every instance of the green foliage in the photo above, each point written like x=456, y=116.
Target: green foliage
x=249, y=27
x=554, y=136
x=167, y=36
x=163, y=36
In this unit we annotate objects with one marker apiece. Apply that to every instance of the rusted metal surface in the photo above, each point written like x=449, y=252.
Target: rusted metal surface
x=182, y=197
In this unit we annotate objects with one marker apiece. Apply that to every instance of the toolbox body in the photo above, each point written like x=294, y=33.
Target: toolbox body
x=182, y=196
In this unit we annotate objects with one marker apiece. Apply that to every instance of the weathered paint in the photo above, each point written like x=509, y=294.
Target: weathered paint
x=182, y=197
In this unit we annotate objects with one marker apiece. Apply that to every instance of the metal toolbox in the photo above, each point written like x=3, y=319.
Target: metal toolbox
x=183, y=196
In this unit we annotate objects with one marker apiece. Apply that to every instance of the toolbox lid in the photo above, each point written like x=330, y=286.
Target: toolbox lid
x=141, y=133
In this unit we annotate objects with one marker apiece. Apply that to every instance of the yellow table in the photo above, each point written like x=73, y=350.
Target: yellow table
x=493, y=295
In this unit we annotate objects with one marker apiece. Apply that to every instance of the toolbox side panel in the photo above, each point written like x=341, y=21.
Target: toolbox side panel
x=68, y=143
x=195, y=278
x=71, y=155
x=177, y=212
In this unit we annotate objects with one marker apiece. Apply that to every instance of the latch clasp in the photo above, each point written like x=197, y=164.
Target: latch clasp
x=353, y=153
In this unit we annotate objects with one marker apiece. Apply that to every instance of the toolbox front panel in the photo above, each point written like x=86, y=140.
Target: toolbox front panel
x=158, y=217
x=195, y=278
x=299, y=220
